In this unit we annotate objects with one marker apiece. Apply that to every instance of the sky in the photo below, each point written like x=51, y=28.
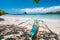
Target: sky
x=20, y=6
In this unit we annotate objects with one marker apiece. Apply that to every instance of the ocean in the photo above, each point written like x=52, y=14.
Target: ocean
x=41, y=16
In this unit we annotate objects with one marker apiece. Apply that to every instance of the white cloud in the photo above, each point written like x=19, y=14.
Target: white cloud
x=37, y=10
x=52, y=9
x=32, y=10
x=41, y=10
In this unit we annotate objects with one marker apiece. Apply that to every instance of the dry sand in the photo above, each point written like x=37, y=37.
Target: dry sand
x=53, y=24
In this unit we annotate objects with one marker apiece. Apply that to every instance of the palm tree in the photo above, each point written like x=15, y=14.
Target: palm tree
x=36, y=1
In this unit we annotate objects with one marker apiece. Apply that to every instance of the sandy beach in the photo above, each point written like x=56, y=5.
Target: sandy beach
x=53, y=24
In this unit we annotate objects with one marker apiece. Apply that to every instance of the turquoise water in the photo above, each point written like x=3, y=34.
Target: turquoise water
x=47, y=16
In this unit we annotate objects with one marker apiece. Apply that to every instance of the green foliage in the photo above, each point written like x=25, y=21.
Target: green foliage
x=2, y=12
x=57, y=12
x=49, y=12
x=36, y=1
